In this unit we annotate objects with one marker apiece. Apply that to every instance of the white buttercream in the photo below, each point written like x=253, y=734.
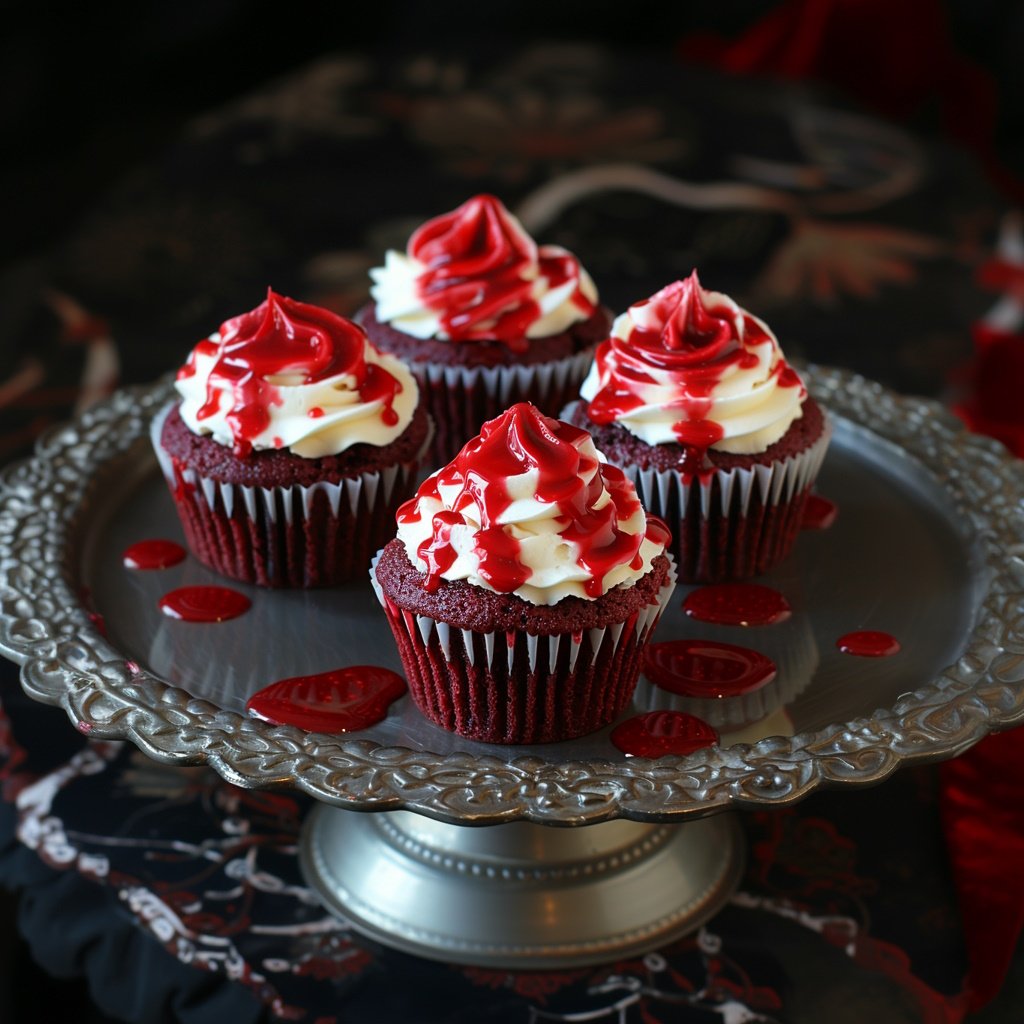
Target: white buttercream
x=748, y=402
x=399, y=297
x=346, y=419
x=552, y=559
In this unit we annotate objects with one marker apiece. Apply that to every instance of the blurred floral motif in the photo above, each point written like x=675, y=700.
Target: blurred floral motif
x=538, y=112
x=822, y=261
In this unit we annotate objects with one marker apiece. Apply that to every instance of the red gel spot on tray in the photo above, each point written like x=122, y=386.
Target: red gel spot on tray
x=663, y=732
x=819, y=513
x=342, y=700
x=706, y=668
x=153, y=554
x=204, y=604
x=737, y=604
x=868, y=643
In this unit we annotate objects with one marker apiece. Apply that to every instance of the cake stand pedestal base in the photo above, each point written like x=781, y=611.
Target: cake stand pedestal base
x=520, y=895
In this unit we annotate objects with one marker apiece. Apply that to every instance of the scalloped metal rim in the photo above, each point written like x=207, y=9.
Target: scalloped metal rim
x=66, y=662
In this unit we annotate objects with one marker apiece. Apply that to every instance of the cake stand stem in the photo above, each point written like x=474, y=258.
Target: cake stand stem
x=520, y=895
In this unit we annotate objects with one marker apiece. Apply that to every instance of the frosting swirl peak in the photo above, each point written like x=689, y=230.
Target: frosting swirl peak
x=689, y=366
x=475, y=274
x=530, y=508
x=292, y=375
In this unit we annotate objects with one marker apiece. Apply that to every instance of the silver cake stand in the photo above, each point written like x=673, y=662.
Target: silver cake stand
x=928, y=546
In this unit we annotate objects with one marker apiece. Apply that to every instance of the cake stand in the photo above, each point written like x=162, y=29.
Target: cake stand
x=928, y=546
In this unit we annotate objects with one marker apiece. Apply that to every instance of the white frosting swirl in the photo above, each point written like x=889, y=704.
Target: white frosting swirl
x=545, y=539
x=481, y=275
x=743, y=387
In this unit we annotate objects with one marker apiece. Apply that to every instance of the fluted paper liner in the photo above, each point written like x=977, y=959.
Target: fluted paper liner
x=587, y=678
x=287, y=536
x=462, y=398
x=732, y=523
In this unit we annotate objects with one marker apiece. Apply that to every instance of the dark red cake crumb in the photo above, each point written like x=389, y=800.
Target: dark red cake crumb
x=578, y=337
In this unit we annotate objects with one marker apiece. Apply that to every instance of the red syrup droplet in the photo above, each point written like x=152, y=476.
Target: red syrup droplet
x=153, y=554
x=204, y=604
x=706, y=668
x=658, y=733
x=342, y=700
x=868, y=643
x=819, y=513
x=737, y=604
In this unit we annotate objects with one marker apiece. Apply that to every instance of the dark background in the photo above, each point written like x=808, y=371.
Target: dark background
x=90, y=89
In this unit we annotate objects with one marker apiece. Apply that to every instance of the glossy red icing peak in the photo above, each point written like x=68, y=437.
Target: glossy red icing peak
x=689, y=332
x=283, y=340
x=567, y=475
x=479, y=272
x=672, y=351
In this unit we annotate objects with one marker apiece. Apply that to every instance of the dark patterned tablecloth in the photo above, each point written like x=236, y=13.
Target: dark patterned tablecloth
x=857, y=241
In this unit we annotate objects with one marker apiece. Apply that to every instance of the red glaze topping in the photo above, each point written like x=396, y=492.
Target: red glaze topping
x=658, y=733
x=868, y=643
x=153, y=554
x=343, y=700
x=284, y=338
x=706, y=668
x=737, y=604
x=204, y=604
x=676, y=340
x=480, y=272
x=523, y=440
x=819, y=513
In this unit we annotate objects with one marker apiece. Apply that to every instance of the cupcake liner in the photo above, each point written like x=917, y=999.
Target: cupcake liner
x=299, y=536
x=519, y=687
x=732, y=523
x=461, y=399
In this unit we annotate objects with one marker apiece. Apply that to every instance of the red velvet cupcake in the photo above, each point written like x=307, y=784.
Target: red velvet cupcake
x=525, y=580
x=692, y=397
x=484, y=317
x=292, y=446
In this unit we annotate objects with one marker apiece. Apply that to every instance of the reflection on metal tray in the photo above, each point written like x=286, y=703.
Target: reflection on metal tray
x=928, y=546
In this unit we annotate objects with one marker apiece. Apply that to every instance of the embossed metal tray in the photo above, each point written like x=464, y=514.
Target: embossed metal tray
x=928, y=545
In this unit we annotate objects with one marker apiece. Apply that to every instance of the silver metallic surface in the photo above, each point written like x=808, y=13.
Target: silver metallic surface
x=520, y=895
x=929, y=545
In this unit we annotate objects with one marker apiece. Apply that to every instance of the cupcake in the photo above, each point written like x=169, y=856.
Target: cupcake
x=292, y=445
x=523, y=584
x=484, y=317
x=692, y=397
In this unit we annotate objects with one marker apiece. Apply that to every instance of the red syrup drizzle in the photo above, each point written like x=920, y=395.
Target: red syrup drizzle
x=658, y=733
x=342, y=700
x=737, y=604
x=153, y=554
x=706, y=668
x=522, y=440
x=819, y=513
x=282, y=337
x=479, y=273
x=868, y=643
x=204, y=604
x=676, y=338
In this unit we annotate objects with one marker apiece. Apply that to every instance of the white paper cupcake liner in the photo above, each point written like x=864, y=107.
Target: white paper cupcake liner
x=772, y=484
x=542, y=651
x=503, y=383
x=293, y=503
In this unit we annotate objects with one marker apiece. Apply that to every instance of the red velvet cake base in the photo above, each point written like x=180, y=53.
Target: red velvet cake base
x=498, y=698
x=465, y=384
x=298, y=544
x=722, y=545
